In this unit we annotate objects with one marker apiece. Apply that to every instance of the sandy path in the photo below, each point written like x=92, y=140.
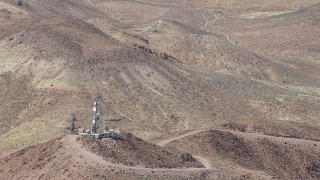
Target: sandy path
x=216, y=17
x=203, y=27
x=202, y=160
x=205, y=162
x=301, y=142
x=91, y=3
x=167, y=141
x=70, y=142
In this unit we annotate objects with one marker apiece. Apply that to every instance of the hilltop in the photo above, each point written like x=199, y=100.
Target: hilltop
x=163, y=68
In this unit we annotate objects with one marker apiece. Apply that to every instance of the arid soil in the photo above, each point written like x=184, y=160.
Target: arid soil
x=296, y=130
x=133, y=151
x=44, y=161
x=224, y=154
x=240, y=153
x=164, y=68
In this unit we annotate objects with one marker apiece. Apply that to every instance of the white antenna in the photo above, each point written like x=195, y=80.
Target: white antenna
x=97, y=116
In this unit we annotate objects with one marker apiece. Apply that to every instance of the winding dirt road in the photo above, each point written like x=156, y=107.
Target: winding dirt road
x=70, y=141
x=204, y=27
x=167, y=141
x=202, y=160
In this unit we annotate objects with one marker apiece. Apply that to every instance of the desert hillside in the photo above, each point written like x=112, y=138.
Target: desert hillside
x=164, y=68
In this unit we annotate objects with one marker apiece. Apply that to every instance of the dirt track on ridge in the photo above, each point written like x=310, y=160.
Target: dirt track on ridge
x=70, y=141
x=68, y=157
x=167, y=141
x=249, y=136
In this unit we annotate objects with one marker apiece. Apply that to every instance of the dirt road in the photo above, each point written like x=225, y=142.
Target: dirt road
x=167, y=141
x=70, y=142
x=75, y=147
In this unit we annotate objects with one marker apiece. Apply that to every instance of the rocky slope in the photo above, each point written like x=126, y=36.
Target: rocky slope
x=162, y=67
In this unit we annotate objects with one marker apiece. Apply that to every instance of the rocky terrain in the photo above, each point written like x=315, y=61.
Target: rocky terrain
x=276, y=157
x=127, y=157
x=164, y=68
x=133, y=151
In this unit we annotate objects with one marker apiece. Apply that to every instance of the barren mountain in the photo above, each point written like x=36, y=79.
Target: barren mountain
x=256, y=155
x=163, y=68
x=64, y=158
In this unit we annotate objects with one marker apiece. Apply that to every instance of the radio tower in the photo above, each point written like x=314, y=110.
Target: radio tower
x=93, y=133
x=97, y=113
x=73, y=123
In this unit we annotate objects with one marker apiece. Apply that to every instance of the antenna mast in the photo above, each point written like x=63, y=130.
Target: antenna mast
x=93, y=132
x=73, y=123
x=97, y=113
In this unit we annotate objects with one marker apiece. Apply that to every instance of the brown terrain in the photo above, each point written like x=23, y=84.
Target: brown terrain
x=133, y=151
x=200, y=89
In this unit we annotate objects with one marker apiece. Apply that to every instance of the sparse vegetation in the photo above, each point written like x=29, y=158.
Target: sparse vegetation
x=248, y=69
